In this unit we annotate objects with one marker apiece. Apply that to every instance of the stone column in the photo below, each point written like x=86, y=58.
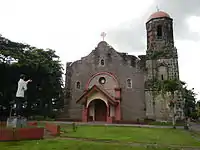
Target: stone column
x=109, y=119
x=117, y=93
x=85, y=113
x=118, y=111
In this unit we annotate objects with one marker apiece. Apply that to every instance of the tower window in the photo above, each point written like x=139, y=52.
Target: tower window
x=159, y=31
x=169, y=27
x=175, y=75
x=78, y=85
x=102, y=62
x=129, y=83
x=162, y=77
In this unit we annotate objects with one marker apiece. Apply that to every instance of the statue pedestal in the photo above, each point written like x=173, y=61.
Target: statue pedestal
x=16, y=122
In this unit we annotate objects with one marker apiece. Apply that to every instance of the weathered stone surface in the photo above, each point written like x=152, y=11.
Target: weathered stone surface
x=160, y=62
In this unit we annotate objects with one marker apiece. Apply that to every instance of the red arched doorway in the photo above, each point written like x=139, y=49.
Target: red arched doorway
x=97, y=110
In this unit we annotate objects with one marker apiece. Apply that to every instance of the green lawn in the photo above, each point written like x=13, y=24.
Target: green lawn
x=133, y=134
x=69, y=145
x=163, y=137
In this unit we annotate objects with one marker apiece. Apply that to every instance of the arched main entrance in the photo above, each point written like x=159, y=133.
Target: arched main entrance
x=97, y=110
x=99, y=105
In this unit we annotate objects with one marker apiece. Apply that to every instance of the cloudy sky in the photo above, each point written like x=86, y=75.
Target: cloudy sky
x=73, y=27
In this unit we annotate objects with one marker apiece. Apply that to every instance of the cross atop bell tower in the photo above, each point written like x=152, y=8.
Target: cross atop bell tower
x=103, y=35
x=157, y=8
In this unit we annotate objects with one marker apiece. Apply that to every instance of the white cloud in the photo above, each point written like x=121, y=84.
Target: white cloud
x=189, y=63
x=73, y=27
x=189, y=57
x=194, y=24
x=67, y=26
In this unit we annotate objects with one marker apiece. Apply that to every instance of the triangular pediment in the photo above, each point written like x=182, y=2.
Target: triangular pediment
x=93, y=90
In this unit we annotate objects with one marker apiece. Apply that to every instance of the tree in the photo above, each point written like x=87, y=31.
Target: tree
x=173, y=86
x=190, y=101
x=42, y=66
x=170, y=86
x=188, y=97
x=198, y=109
x=190, y=110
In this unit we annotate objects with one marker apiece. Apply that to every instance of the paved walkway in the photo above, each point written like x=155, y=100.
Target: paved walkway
x=124, y=125
x=195, y=126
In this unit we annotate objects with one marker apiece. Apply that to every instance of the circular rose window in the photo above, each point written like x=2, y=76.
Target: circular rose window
x=102, y=80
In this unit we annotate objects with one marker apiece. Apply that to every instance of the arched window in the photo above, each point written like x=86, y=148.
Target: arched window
x=159, y=31
x=102, y=62
x=129, y=83
x=78, y=85
x=163, y=73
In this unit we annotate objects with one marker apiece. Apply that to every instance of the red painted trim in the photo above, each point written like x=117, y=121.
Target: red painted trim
x=117, y=89
x=112, y=100
x=117, y=98
x=118, y=111
x=109, y=119
x=101, y=73
x=85, y=115
x=117, y=93
x=108, y=111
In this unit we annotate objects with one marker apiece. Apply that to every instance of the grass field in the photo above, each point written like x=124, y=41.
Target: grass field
x=70, y=145
x=134, y=134
x=162, y=137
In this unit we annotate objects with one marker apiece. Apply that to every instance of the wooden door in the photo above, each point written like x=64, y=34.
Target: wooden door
x=100, y=110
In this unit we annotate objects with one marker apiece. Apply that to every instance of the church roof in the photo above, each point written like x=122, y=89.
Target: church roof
x=96, y=88
x=102, y=44
x=159, y=14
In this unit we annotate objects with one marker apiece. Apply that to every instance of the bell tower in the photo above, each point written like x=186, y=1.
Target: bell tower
x=159, y=29
x=161, y=60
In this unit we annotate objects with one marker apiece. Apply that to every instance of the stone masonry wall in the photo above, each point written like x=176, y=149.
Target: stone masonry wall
x=123, y=66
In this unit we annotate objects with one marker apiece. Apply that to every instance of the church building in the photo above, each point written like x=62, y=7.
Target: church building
x=110, y=86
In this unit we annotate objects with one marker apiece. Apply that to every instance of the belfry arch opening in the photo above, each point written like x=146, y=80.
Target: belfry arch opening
x=159, y=31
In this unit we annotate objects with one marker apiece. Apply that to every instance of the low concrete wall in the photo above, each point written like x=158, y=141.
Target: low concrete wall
x=9, y=134
x=2, y=124
x=53, y=129
x=32, y=124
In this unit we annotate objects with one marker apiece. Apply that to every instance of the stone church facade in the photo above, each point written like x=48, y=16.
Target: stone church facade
x=112, y=86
